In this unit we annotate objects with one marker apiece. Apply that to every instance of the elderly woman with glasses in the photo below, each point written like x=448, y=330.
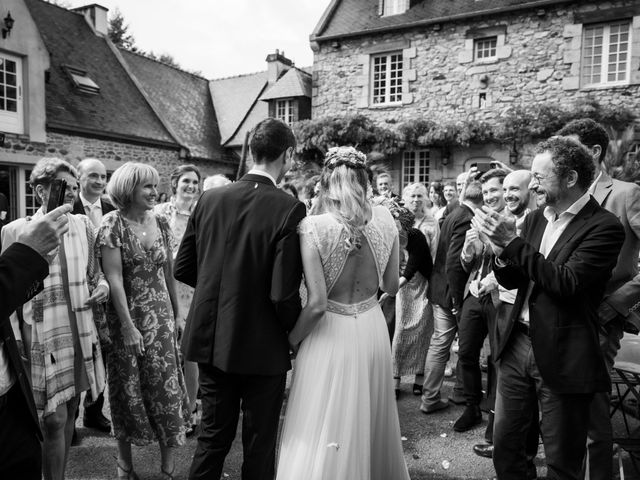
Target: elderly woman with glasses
x=57, y=326
x=147, y=393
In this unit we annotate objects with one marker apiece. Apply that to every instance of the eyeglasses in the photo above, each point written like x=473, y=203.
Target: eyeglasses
x=539, y=178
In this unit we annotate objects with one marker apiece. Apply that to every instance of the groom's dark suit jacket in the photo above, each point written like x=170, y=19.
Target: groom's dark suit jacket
x=569, y=286
x=241, y=252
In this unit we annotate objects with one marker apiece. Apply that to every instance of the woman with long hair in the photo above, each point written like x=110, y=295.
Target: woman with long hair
x=185, y=185
x=439, y=203
x=341, y=420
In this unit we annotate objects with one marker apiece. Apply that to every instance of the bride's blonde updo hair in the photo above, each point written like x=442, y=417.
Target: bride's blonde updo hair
x=343, y=191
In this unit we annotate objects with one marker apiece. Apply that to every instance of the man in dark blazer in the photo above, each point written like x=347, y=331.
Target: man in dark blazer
x=446, y=292
x=550, y=349
x=241, y=252
x=623, y=289
x=92, y=203
x=20, y=435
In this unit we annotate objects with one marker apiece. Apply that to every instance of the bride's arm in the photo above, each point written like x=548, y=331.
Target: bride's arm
x=316, y=290
x=390, y=281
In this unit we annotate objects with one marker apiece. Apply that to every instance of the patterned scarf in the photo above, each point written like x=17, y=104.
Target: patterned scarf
x=52, y=349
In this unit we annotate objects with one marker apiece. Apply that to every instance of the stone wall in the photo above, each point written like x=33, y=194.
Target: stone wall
x=111, y=152
x=536, y=64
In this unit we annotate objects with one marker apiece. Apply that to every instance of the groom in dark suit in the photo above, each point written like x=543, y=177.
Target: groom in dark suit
x=549, y=350
x=241, y=252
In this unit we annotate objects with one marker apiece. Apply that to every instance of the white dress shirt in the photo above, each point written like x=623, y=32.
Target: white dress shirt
x=93, y=210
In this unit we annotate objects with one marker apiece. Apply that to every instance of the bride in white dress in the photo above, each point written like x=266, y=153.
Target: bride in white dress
x=341, y=421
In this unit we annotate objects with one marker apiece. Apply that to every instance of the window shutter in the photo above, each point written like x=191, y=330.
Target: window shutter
x=380, y=7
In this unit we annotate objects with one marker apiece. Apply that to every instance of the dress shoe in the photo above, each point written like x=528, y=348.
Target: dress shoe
x=97, y=421
x=483, y=450
x=436, y=407
x=469, y=419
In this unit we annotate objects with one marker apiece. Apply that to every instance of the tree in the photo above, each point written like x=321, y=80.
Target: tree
x=119, y=32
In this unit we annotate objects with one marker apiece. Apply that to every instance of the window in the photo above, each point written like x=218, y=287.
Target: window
x=485, y=48
x=415, y=167
x=606, y=54
x=31, y=203
x=394, y=7
x=386, y=79
x=11, y=94
x=82, y=81
x=286, y=111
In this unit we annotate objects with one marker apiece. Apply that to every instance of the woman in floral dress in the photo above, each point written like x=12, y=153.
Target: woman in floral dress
x=146, y=387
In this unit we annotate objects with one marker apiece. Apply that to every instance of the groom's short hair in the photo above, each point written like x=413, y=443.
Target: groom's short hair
x=269, y=139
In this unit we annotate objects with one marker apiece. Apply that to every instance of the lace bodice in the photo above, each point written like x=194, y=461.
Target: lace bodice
x=329, y=237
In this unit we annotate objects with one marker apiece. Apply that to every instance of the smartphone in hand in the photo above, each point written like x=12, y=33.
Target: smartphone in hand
x=56, y=194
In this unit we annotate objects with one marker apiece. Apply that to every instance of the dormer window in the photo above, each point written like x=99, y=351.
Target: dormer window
x=393, y=7
x=82, y=81
x=286, y=111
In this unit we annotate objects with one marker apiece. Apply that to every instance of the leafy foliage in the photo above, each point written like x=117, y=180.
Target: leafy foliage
x=316, y=136
x=118, y=32
x=520, y=124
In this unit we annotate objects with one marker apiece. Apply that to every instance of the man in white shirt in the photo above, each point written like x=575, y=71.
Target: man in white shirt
x=92, y=203
x=550, y=352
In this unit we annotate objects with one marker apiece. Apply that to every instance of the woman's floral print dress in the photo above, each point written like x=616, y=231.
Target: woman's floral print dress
x=147, y=393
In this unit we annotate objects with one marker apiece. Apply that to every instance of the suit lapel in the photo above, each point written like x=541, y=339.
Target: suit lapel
x=538, y=231
x=574, y=227
x=603, y=188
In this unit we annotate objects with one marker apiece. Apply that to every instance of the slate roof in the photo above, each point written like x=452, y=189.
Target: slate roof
x=182, y=100
x=294, y=83
x=119, y=110
x=357, y=17
x=234, y=98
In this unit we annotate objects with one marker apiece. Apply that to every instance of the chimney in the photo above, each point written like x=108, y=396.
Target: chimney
x=277, y=63
x=96, y=15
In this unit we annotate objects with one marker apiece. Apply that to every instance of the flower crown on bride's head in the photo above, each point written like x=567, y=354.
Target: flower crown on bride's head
x=348, y=156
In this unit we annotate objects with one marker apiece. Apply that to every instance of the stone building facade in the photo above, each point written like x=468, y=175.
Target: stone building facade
x=451, y=61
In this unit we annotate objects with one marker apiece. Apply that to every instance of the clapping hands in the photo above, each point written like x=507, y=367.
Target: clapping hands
x=499, y=229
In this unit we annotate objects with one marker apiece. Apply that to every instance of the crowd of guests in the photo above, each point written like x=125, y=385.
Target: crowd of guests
x=542, y=262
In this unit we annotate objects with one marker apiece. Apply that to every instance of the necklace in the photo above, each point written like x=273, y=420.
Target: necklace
x=138, y=226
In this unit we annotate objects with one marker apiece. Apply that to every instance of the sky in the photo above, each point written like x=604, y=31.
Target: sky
x=220, y=38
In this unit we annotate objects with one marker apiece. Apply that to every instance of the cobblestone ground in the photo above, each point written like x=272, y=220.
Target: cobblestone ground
x=432, y=449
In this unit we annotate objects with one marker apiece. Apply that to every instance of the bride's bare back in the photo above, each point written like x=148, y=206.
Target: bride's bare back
x=359, y=278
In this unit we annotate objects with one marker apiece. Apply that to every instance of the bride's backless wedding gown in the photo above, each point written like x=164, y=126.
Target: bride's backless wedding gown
x=341, y=421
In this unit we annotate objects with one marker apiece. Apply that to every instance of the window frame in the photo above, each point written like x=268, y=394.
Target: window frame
x=493, y=46
x=605, y=54
x=390, y=59
x=394, y=7
x=290, y=111
x=12, y=122
x=420, y=172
